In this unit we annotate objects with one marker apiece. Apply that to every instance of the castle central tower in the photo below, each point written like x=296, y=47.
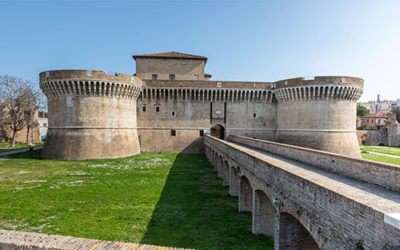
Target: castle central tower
x=91, y=114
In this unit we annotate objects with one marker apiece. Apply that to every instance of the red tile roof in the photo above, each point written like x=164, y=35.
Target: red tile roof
x=376, y=115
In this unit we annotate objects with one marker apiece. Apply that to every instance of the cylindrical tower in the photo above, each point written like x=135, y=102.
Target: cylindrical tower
x=91, y=114
x=319, y=113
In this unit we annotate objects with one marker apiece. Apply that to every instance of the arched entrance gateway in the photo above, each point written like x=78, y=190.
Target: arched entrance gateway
x=218, y=131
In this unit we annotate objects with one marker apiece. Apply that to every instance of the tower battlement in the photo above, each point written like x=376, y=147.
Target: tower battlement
x=319, y=88
x=60, y=83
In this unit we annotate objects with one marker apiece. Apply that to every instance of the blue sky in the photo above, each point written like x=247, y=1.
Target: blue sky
x=244, y=40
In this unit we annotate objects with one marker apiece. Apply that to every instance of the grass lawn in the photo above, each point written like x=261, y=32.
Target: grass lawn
x=380, y=158
x=162, y=199
x=382, y=149
x=5, y=147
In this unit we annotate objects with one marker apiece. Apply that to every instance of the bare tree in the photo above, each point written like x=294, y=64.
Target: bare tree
x=30, y=106
x=14, y=95
x=42, y=102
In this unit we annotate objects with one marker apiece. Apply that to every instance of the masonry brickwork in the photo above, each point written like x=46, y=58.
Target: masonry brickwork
x=310, y=199
x=91, y=114
x=177, y=104
x=317, y=112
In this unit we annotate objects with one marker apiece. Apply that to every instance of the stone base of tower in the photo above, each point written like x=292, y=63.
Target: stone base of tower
x=344, y=143
x=80, y=144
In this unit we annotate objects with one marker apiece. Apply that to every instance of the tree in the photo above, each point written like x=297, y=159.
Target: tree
x=396, y=111
x=362, y=111
x=31, y=100
x=16, y=96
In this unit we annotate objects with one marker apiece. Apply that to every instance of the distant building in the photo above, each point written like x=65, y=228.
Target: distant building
x=380, y=106
x=6, y=132
x=375, y=120
x=43, y=122
x=396, y=103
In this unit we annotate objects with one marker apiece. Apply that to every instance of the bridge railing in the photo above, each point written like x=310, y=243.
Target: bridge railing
x=382, y=174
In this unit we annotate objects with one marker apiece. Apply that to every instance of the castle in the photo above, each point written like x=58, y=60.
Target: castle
x=170, y=103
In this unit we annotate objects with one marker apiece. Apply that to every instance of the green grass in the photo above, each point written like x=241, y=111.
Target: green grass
x=5, y=147
x=162, y=199
x=382, y=149
x=381, y=158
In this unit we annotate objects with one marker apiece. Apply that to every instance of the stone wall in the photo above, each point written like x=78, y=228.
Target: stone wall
x=385, y=175
x=91, y=114
x=374, y=137
x=193, y=108
x=303, y=206
x=318, y=113
x=13, y=240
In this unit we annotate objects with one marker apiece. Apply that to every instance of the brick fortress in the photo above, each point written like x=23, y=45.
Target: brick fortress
x=171, y=103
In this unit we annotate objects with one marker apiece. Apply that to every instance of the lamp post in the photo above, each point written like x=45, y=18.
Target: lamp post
x=389, y=141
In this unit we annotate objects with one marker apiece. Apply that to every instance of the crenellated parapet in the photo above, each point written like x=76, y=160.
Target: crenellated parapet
x=207, y=91
x=319, y=88
x=207, y=94
x=57, y=84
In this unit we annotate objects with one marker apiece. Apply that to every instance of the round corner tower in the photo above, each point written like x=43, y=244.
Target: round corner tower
x=91, y=114
x=319, y=113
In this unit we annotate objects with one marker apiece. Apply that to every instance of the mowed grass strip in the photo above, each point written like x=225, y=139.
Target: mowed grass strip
x=162, y=199
x=382, y=149
x=381, y=158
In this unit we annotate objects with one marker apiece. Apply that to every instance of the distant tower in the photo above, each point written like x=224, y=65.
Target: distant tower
x=379, y=98
x=91, y=114
x=319, y=113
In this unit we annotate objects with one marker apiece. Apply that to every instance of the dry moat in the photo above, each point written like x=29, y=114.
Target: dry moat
x=162, y=199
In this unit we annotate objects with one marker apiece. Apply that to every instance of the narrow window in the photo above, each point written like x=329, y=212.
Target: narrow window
x=157, y=109
x=173, y=114
x=172, y=77
x=201, y=132
x=173, y=132
x=154, y=77
x=144, y=108
x=254, y=115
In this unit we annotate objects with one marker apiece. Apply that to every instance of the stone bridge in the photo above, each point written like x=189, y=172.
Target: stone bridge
x=310, y=199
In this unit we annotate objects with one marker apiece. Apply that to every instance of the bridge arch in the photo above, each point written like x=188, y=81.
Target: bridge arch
x=220, y=166
x=245, y=194
x=234, y=181
x=294, y=235
x=225, y=175
x=263, y=214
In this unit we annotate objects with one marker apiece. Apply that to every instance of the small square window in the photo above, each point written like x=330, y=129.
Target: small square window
x=144, y=108
x=154, y=76
x=173, y=132
x=172, y=77
x=157, y=109
x=173, y=114
x=44, y=124
x=254, y=115
x=201, y=132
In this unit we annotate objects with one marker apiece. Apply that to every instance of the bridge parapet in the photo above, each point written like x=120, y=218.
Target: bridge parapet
x=381, y=174
x=302, y=206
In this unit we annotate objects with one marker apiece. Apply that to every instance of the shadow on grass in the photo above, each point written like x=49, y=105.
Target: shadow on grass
x=196, y=211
